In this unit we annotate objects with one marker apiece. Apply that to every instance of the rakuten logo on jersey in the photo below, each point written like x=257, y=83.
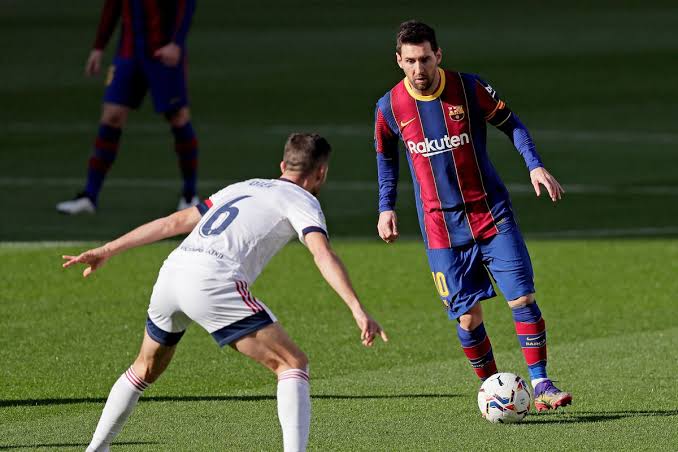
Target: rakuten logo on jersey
x=427, y=148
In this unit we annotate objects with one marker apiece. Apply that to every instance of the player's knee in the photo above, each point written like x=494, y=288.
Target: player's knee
x=471, y=318
x=522, y=301
x=178, y=118
x=290, y=360
x=470, y=322
x=114, y=117
x=298, y=361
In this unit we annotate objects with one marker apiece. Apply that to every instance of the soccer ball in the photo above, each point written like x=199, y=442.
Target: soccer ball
x=504, y=398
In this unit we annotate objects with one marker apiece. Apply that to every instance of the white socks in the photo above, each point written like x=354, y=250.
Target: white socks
x=536, y=381
x=294, y=409
x=120, y=404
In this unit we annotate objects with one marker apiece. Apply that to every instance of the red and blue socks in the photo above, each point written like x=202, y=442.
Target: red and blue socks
x=478, y=349
x=104, y=154
x=531, y=331
x=106, y=150
x=186, y=147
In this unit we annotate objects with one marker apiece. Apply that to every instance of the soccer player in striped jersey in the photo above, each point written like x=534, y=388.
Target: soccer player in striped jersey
x=232, y=236
x=151, y=56
x=464, y=210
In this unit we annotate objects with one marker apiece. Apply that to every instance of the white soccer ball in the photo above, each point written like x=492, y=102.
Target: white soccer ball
x=504, y=398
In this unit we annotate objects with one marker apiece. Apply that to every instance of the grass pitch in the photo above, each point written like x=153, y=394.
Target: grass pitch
x=607, y=304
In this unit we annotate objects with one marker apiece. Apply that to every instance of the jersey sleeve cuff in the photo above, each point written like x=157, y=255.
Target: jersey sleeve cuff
x=204, y=206
x=310, y=229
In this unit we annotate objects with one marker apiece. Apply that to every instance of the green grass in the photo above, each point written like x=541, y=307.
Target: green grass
x=612, y=342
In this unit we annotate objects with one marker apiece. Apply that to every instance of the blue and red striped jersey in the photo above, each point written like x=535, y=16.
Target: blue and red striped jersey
x=459, y=195
x=146, y=25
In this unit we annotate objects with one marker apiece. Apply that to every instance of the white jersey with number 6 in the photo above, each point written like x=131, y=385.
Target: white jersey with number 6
x=244, y=225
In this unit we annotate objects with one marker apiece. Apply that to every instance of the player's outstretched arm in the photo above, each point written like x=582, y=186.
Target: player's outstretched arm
x=335, y=274
x=180, y=222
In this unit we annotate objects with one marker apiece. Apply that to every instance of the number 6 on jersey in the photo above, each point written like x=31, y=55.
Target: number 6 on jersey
x=224, y=216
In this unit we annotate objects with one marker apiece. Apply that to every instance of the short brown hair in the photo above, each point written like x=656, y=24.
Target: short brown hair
x=415, y=32
x=304, y=152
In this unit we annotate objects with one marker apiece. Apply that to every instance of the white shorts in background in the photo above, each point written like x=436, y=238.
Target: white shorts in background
x=227, y=310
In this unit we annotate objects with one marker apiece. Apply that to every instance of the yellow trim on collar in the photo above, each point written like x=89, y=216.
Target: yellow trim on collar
x=433, y=96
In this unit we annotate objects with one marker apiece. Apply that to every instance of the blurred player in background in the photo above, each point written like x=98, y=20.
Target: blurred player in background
x=464, y=209
x=233, y=234
x=151, y=56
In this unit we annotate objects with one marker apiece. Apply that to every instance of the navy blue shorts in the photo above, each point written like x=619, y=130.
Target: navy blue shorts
x=463, y=275
x=129, y=78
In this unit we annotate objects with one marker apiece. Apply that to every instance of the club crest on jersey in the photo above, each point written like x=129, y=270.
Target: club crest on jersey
x=456, y=112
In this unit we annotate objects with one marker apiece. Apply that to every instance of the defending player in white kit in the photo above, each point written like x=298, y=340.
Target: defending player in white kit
x=233, y=234
x=206, y=278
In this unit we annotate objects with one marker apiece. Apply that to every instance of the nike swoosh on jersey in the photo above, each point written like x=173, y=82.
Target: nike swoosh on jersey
x=405, y=123
x=533, y=338
x=429, y=154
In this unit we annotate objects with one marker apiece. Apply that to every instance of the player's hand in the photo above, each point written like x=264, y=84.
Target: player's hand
x=169, y=55
x=93, y=258
x=369, y=328
x=539, y=176
x=93, y=65
x=388, y=226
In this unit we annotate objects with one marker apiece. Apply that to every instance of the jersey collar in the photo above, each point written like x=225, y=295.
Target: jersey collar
x=433, y=96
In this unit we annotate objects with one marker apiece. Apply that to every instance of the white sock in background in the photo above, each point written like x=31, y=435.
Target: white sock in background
x=119, y=405
x=294, y=409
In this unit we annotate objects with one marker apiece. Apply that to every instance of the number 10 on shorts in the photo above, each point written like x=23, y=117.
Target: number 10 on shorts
x=441, y=283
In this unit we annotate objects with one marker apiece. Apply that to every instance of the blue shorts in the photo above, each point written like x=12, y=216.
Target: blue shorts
x=128, y=80
x=463, y=274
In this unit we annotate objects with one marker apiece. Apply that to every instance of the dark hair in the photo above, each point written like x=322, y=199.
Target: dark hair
x=304, y=152
x=415, y=32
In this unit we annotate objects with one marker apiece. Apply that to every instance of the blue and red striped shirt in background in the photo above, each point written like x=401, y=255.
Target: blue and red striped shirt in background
x=459, y=195
x=146, y=25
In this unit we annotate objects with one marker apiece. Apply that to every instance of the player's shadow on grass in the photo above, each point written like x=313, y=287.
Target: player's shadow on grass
x=64, y=445
x=225, y=398
x=578, y=417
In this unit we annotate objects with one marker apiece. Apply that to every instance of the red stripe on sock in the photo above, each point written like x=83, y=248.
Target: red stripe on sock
x=293, y=374
x=100, y=143
x=292, y=378
x=530, y=328
x=98, y=164
x=534, y=355
x=486, y=371
x=188, y=165
x=136, y=381
x=479, y=350
x=185, y=146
